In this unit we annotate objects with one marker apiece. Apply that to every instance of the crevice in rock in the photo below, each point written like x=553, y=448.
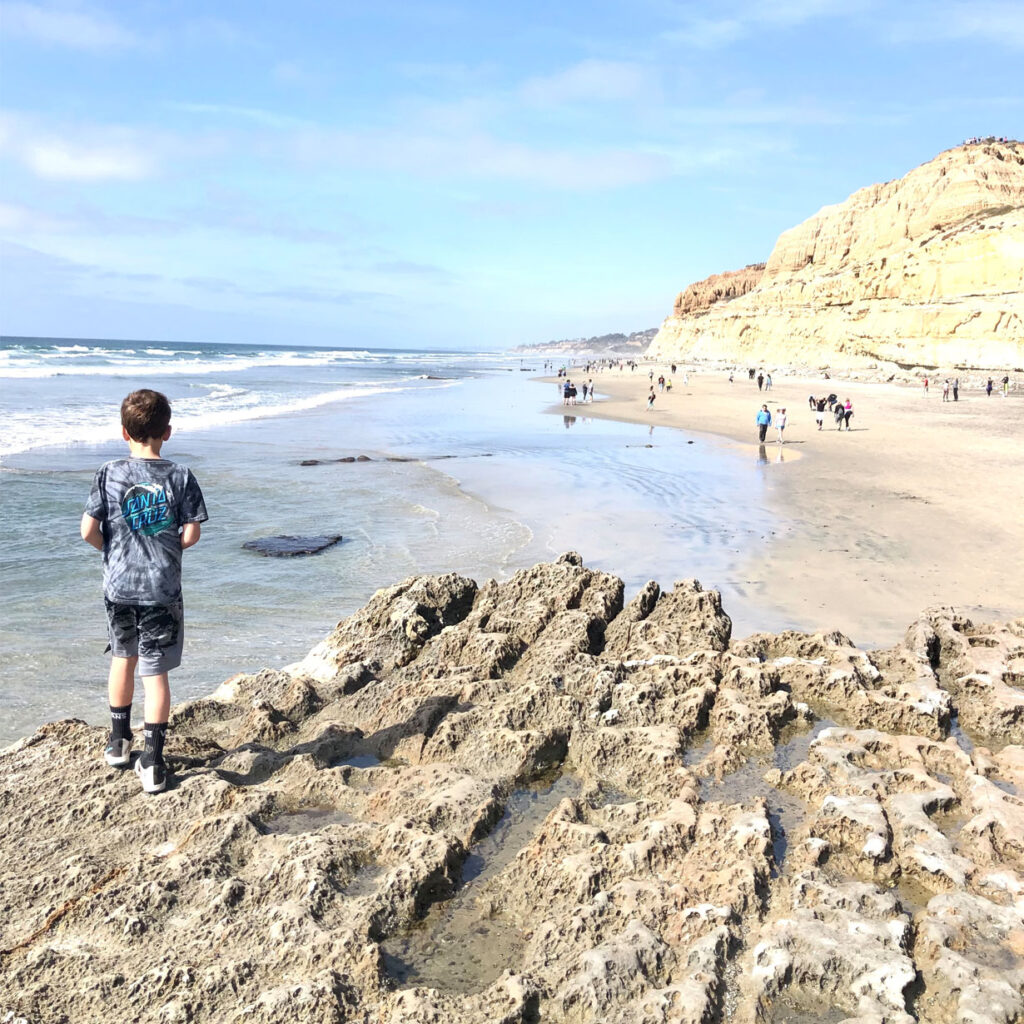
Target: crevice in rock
x=462, y=945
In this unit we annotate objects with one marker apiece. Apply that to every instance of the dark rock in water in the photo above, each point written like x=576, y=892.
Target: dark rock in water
x=289, y=547
x=310, y=462
x=347, y=458
x=363, y=458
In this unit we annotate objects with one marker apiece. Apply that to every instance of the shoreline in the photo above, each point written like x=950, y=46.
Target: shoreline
x=912, y=507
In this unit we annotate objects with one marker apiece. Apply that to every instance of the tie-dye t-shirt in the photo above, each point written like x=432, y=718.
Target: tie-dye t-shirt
x=141, y=504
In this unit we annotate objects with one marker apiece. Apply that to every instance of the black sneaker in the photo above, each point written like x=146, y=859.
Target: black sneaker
x=153, y=777
x=118, y=752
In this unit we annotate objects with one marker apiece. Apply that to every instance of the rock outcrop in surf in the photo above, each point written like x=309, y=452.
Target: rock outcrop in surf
x=927, y=270
x=531, y=801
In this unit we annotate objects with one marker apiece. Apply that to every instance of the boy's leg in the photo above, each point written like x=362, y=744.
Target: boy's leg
x=158, y=698
x=121, y=681
x=120, y=690
x=124, y=648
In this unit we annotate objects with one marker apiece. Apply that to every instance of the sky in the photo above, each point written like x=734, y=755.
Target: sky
x=451, y=174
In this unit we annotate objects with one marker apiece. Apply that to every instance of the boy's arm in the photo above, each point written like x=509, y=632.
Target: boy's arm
x=189, y=535
x=92, y=532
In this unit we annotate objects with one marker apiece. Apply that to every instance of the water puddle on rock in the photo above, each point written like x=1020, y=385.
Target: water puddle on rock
x=460, y=946
x=785, y=811
x=307, y=819
x=356, y=761
x=785, y=1011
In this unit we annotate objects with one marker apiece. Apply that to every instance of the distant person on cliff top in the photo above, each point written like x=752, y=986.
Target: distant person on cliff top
x=780, y=423
x=819, y=410
x=848, y=413
x=763, y=419
x=142, y=513
x=988, y=388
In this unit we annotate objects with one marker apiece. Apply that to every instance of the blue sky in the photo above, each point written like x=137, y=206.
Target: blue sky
x=451, y=174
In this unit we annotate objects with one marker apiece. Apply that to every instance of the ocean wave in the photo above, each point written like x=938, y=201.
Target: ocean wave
x=109, y=363
x=30, y=430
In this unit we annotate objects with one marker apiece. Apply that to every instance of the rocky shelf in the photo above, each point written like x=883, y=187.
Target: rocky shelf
x=529, y=802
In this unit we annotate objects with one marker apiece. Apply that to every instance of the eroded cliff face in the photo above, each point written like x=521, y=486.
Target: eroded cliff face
x=927, y=270
x=527, y=801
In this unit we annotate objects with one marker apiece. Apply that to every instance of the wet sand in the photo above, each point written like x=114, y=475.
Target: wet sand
x=920, y=503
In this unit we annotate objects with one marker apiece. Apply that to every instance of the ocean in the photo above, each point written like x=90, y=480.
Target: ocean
x=473, y=467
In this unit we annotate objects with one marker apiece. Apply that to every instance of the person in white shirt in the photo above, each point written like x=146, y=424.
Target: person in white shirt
x=780, y=423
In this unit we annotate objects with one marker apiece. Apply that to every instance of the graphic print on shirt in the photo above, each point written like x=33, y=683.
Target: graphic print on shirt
x=145, y=509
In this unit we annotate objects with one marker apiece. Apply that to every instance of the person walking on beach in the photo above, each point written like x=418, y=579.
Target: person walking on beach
x=988, y=388
x=1006, y=385
x=847, y=413
x=764, y=421
x=780, y=423
x=837, y=413
x=819, y=411
x=584, y=386
x=650, y=399
x=956, y=389
x=591, y=383
x=760, y=381
x=767, y=382
x=142, y=513
x=926, y=387
x=945, y=390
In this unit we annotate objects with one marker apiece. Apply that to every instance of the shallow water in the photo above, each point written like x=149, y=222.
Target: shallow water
x=460, y=946
x=786, y=813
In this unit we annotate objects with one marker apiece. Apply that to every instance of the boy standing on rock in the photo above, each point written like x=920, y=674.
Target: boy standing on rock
x=142, y=512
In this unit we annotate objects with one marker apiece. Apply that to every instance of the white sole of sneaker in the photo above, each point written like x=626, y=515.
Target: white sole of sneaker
x=149, y=783
x=121, y=760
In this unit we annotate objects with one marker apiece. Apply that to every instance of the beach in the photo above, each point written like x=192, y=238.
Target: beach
x=917, y=505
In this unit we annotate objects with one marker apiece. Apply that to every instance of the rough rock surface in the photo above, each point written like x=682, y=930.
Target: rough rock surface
x=927, y=270
x=718, y=288
x=527, y=802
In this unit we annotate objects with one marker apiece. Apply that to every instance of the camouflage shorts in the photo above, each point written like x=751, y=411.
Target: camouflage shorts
x=156, y=633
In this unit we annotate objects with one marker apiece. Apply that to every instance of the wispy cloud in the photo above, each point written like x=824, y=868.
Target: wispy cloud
x=737, y=20
x=78, y=29
x=591, y=80
x=997, y=22
x=256, y=115
x=479, y=155
x=80, y=154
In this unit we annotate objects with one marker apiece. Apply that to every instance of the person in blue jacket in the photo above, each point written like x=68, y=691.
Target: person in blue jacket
x=764, y=421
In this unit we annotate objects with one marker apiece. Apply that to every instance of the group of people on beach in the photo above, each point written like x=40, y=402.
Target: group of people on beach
x=842, y=411
x=570, y=392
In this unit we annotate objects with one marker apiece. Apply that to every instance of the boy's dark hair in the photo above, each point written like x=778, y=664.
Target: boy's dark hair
x=145, y=415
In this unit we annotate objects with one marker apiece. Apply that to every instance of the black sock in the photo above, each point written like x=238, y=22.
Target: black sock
x=121, y=723
x=154, y=752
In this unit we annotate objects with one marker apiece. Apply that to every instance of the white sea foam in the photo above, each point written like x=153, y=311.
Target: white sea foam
x=223, y=405
x=24, y=364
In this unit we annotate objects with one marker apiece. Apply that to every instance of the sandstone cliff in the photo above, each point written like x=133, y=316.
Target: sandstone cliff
x=528, y=801
x=927, y=270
